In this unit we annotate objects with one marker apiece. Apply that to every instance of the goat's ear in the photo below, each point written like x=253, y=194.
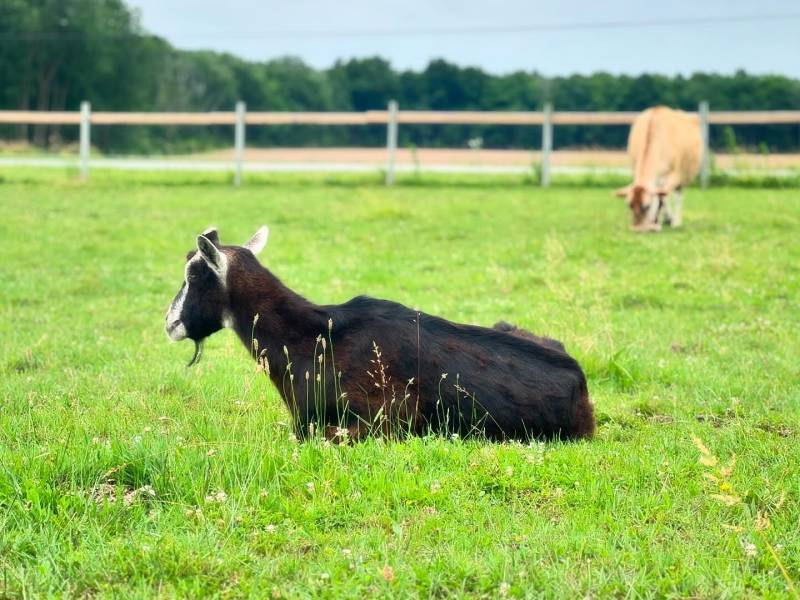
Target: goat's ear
x=209, y=252
x=623, y=192
x=212, y=235
x=256, y=243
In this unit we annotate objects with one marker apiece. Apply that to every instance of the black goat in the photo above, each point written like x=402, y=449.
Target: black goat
x=374, y=365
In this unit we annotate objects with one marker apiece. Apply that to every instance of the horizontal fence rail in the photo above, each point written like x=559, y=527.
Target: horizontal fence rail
x=379, y=117
x=391, y=118
x=34, y=117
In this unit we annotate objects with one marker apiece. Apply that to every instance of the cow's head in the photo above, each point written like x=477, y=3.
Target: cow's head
x=644, y=202
x=201, y=306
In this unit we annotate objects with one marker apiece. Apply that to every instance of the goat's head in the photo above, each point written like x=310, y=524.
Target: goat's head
x=201, y=306
x=639, y=199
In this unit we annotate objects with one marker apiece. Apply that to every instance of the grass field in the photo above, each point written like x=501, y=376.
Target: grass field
x=124, y=474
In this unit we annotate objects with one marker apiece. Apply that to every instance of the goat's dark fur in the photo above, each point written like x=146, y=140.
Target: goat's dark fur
x=525, y=334
x=432, y=374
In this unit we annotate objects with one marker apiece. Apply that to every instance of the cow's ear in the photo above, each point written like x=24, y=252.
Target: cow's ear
x=623, y=191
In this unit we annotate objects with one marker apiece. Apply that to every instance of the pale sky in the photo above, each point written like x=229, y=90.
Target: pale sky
x=522, y=34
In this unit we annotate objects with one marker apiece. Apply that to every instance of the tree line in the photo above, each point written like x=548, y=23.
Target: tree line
x=56, y=53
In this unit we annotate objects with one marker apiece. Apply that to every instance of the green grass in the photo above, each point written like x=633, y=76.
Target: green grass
x=686, y=333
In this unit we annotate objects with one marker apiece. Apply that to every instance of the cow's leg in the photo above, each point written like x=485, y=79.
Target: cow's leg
x=677, y=207
x=667, y=220
x=651, y=220
x=669, y=210
x=671, y=189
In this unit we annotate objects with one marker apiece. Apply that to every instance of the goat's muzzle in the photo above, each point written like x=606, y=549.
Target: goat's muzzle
x=176, y=330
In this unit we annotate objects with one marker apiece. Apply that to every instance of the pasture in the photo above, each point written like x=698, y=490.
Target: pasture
x=123, y=473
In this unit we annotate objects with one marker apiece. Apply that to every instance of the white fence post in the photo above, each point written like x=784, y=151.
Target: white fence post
x=85, y=138
x=705, y=164
x=547, y=143
x=391, y=141
x=238, y=141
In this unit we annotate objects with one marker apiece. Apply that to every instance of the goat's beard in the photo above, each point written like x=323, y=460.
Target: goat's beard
x=198, y=352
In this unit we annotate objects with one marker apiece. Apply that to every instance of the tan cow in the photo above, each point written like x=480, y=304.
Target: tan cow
x=666, y=149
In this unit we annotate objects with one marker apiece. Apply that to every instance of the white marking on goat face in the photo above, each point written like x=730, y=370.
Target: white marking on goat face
x=174, y=312
x=175, y=328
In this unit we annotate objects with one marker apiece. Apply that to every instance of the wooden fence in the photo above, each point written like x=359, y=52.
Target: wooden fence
x=392, y=118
